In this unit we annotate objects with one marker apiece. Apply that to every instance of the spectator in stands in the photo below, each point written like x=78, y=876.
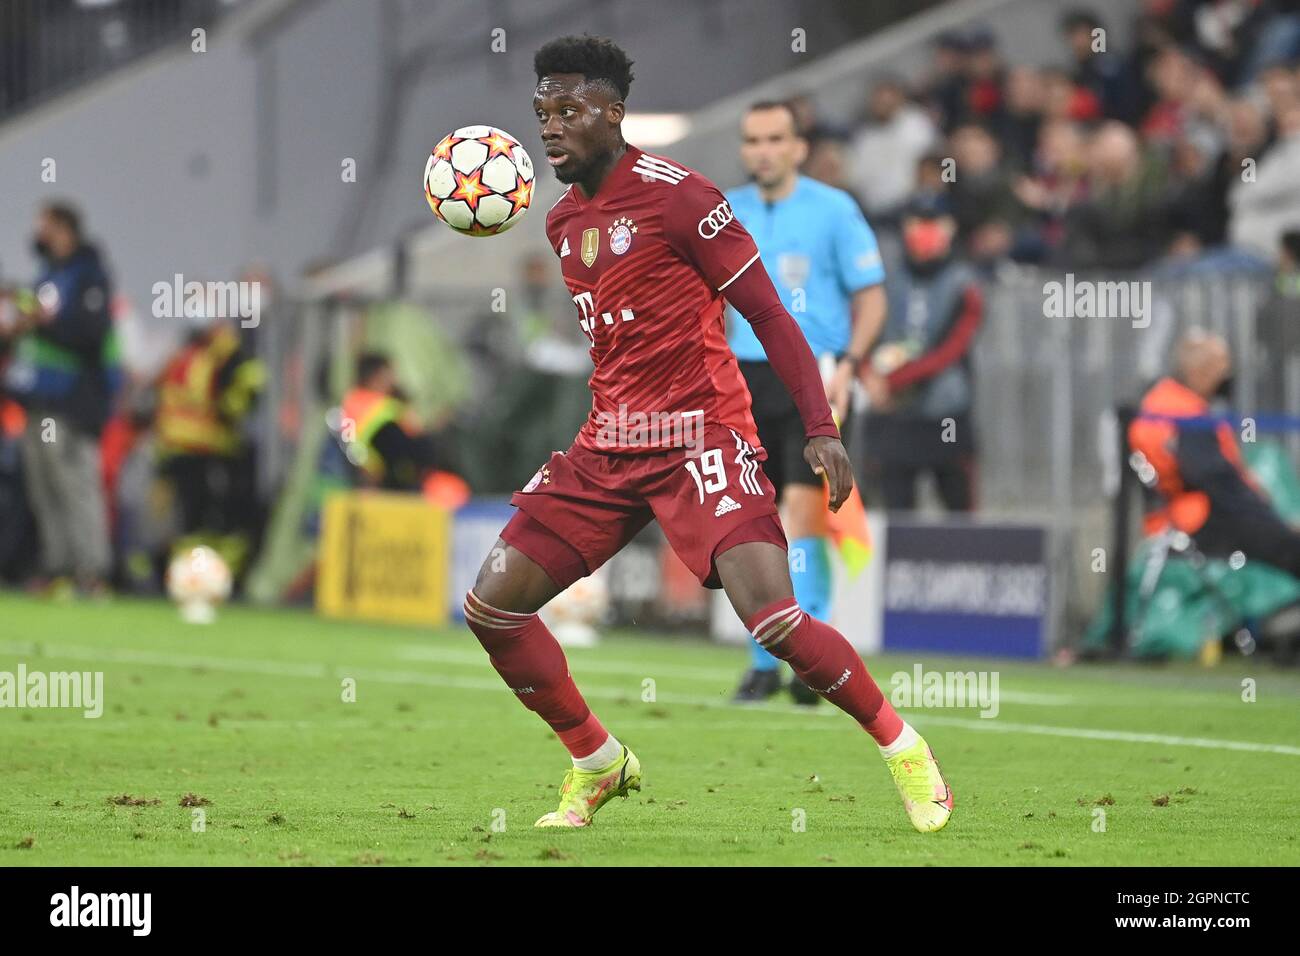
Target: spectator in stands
x=945, y=86
x=1063, y=99
x=1245, y=138
x=1224, y=31
x=64, y=372
x=1276, y=41
x=1022, y=118
x=1098, y=69
x=985, y=206
x=884, y=154
x=1201, y=484
x=1195, y=219
x=1268, y=205
x=919, y=377
x=1175, y=77
x=984, y=80
x=1121, y=225
x=1056, y=183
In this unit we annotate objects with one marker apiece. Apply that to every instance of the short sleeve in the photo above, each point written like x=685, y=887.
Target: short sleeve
x=700, y=226
x=857, y=254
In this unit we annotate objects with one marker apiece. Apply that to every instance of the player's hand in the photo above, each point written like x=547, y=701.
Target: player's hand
x=826, y=456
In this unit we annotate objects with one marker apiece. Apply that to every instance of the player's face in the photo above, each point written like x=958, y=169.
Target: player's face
x=579, y=124
x=769, y=146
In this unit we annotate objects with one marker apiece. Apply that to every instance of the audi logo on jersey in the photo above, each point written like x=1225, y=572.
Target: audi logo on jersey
x=718, y=217
x=587, y=306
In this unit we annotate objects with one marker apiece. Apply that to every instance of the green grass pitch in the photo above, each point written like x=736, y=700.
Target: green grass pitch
x=435, y=763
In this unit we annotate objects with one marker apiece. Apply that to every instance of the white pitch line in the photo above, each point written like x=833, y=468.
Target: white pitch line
x=1125, y=736
x=320, y=670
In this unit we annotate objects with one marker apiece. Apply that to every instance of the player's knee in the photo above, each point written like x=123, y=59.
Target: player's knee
x=491, y=592
x=501, y=586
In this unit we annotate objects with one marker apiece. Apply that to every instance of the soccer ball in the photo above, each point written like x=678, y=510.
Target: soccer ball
x=479, y=180
x=574, y=614
x=198, y=579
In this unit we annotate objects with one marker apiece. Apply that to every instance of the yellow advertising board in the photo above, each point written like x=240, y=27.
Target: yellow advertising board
x=384, y=556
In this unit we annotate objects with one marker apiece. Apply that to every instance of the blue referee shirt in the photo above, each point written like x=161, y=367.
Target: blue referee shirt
x=819, y=250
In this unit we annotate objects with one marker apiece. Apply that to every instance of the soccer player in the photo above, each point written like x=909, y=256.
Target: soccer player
x=826, y=267
x=649, y=248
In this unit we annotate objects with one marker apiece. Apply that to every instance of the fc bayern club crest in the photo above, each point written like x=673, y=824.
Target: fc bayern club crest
x=620, y=235
x=543, y=477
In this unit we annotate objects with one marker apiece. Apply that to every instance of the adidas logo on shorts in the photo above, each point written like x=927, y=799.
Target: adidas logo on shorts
x=726, y=504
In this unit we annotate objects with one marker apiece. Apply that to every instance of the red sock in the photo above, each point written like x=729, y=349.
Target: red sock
x=530, y=661
x=825, y=661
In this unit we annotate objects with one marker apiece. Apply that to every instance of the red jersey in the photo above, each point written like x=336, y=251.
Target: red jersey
x=647, y=261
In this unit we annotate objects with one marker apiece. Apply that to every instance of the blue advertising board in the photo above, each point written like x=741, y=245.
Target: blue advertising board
x=959, y=587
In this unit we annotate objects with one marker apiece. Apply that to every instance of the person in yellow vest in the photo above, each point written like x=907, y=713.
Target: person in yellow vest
x=205, y=395
x=384, y=440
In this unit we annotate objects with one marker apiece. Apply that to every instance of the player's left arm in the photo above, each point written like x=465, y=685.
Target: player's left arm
x=727, y=258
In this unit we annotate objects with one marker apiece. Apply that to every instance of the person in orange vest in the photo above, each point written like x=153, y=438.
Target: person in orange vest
x=205, y=395
x=1201, y=486
x=384, y=440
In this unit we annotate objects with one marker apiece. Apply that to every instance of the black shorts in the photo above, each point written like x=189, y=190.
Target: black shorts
x=780, y=429
x=1256, y=532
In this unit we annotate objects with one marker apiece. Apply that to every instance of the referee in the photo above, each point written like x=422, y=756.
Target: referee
x=823, y=258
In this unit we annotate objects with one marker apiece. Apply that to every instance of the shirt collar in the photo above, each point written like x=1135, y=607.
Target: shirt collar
x=621, y=170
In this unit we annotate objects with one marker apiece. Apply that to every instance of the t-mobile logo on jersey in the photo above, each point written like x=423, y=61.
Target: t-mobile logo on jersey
x=587, y=306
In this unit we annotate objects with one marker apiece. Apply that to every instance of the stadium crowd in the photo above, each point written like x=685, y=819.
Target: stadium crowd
x=1174, y=137
x=1169, y=143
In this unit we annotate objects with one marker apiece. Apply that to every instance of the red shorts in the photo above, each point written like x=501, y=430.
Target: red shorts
x=583, y=506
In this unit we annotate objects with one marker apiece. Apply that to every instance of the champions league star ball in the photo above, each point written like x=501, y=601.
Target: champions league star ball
x=479, y=180
x=575, y=614
x=198, y=579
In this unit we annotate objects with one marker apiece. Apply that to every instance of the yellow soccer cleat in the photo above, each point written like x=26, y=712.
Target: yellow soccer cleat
x=927, y=798
x=586, y=791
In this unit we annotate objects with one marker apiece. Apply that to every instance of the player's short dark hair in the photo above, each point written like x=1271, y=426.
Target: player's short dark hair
x=370, y=363
x=65, y=214
x=599, y=59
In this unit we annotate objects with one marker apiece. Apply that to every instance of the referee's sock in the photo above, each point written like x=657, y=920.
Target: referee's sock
x=810, y=570
x=761, y=660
